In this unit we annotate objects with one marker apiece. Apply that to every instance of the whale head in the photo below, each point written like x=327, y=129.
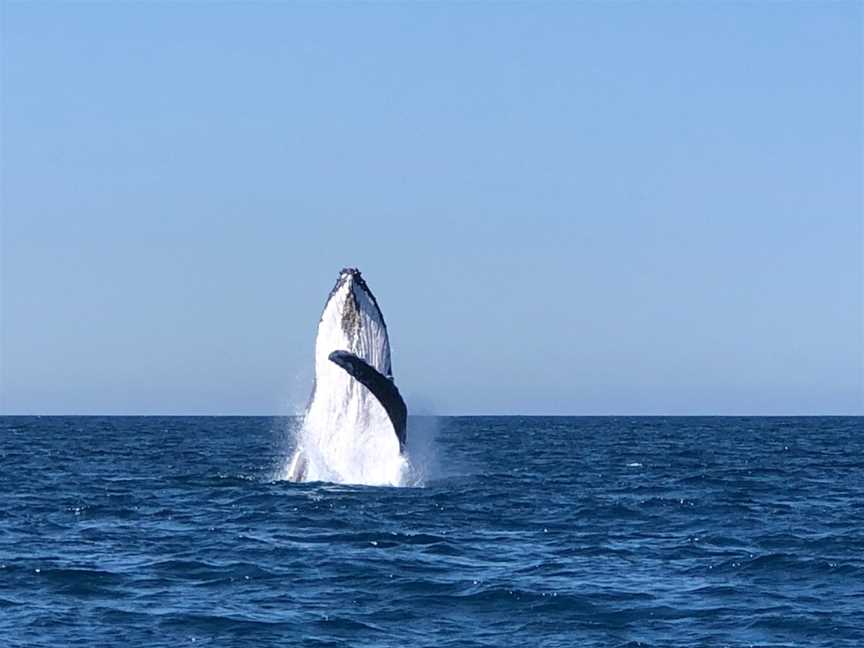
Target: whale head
x=352, y=321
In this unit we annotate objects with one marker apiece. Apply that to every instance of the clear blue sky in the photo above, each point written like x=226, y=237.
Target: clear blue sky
x=563, y=208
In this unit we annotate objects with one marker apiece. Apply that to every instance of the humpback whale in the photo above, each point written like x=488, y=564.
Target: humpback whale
x=354, y=429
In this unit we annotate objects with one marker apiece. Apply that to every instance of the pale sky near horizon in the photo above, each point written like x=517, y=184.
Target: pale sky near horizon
x=562, y=208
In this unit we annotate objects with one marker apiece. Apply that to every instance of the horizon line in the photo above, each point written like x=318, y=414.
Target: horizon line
x=427, y=415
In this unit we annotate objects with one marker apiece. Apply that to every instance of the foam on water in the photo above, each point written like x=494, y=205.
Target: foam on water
x=346, y=435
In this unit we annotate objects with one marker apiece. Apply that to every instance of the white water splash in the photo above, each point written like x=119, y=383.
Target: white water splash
x=346, y=435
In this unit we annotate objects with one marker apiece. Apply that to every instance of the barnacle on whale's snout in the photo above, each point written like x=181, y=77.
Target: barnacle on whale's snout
x=351, y=319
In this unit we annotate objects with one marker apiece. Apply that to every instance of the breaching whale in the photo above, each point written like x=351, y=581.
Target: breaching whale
x=354, y=428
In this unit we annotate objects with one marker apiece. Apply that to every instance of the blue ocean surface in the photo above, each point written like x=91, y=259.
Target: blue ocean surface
x=526, y=531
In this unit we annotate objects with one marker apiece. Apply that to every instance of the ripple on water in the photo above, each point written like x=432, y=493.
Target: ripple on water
x=538, y=531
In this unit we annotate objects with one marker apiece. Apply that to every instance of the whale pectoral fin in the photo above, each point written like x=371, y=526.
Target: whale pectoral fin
x=297, y=469
x=381, y=386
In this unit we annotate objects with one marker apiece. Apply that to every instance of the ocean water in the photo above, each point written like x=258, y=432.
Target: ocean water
x=524, y=531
